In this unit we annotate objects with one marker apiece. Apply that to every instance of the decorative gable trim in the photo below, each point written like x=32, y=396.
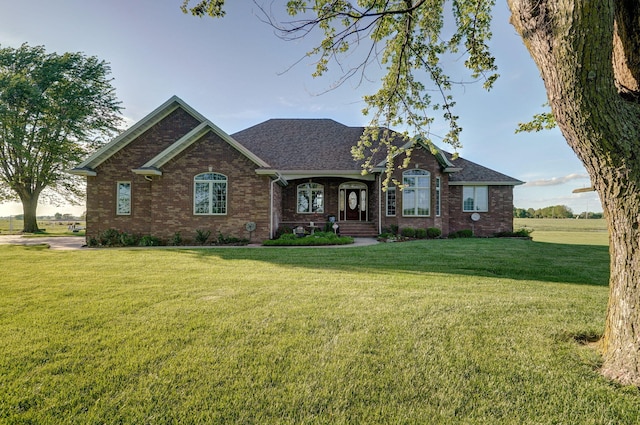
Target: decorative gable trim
x=126, y=137
x=447, y=166
x=152, y=167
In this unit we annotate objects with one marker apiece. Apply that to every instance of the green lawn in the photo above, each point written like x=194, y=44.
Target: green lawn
x=467, y=331
x=49, y=227
x=565, y=230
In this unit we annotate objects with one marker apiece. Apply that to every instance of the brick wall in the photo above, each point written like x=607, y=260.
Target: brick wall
x=291, y=216
x=101, y=189
x=247, y=193
x=163, y=206
x=424, y=160
x=499, y=218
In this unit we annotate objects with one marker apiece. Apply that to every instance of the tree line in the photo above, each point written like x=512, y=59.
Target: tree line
x=554, y=211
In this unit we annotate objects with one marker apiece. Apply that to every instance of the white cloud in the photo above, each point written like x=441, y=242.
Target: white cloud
x=555, y=181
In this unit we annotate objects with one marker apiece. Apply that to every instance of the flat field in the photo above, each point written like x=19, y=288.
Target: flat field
x=565, y=230
x=475, y=331
x=49, y=227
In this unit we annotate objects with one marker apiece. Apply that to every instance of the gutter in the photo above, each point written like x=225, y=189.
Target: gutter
x=379, y=204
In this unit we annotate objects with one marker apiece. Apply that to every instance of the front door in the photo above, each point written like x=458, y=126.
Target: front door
x=353, y=204
x=353, y=201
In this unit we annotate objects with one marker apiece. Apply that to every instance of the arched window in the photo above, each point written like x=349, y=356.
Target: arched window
x=210, y=194
x=310, y=198
x=416, y=195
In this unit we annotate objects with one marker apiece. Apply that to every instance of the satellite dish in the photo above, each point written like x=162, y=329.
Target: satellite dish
x=475, y=217
x=250, y=226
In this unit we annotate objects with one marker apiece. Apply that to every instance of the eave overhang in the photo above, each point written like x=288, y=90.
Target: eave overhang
x=486, y=183
x=307, y=174
x=147, y=171
x=84, y=171
x=127, y=136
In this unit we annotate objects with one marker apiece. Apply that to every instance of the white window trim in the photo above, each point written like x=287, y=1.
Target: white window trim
x=475, y=197
x=391, y=189
x=417, y=189
x=118, y=197
x=306, y=187
x=438, y=197
x=210, y=182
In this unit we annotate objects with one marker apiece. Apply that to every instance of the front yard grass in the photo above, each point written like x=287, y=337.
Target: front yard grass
x=435, y=331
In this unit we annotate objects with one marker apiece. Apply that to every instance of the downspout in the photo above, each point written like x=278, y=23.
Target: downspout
x=380, y=203
x=271, y=207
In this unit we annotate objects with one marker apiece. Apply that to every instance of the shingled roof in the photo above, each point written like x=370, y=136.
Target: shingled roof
x=302, y=144
x=470, y=172
x=293, y=147
x=324, y=144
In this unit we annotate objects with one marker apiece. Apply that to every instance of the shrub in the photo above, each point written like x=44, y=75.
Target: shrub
x=148, y=240
x=521, y=233
x=318, y=238
x=202, y=236
x=408, y=232
x=229, y=240
x=433, y=232
x=282, y=230
x=393, y=228
x=421, y=233
x=110, y=237
x=176, y=240
x=328, y=227
x=127, y=239
x=464, y=233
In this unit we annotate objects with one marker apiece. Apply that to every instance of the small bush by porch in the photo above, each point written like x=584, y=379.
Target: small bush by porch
x=316, y=239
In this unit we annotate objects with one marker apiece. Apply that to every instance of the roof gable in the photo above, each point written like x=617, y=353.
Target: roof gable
x=293, y=147
x=87, y=167
x=152, y=167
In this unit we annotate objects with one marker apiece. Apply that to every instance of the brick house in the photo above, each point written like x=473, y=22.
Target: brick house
x=175, y=171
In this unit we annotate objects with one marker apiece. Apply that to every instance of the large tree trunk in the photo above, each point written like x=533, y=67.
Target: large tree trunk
x=593, y=95
x=29, y=207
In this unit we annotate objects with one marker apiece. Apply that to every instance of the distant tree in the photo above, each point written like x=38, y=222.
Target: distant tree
x=520, y=213
x=54, y=110
x=587, y=54
x=555, y=211
x=58, y=216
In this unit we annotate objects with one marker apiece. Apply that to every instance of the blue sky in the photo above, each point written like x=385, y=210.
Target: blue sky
x=237, y=73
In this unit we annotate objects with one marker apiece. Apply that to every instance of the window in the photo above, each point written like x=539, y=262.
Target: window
x=391, y=201
x=438, y=198
x=124, y=198
x=475, y=198
x=210, y=194
x=310, y=198
x=416, y=193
